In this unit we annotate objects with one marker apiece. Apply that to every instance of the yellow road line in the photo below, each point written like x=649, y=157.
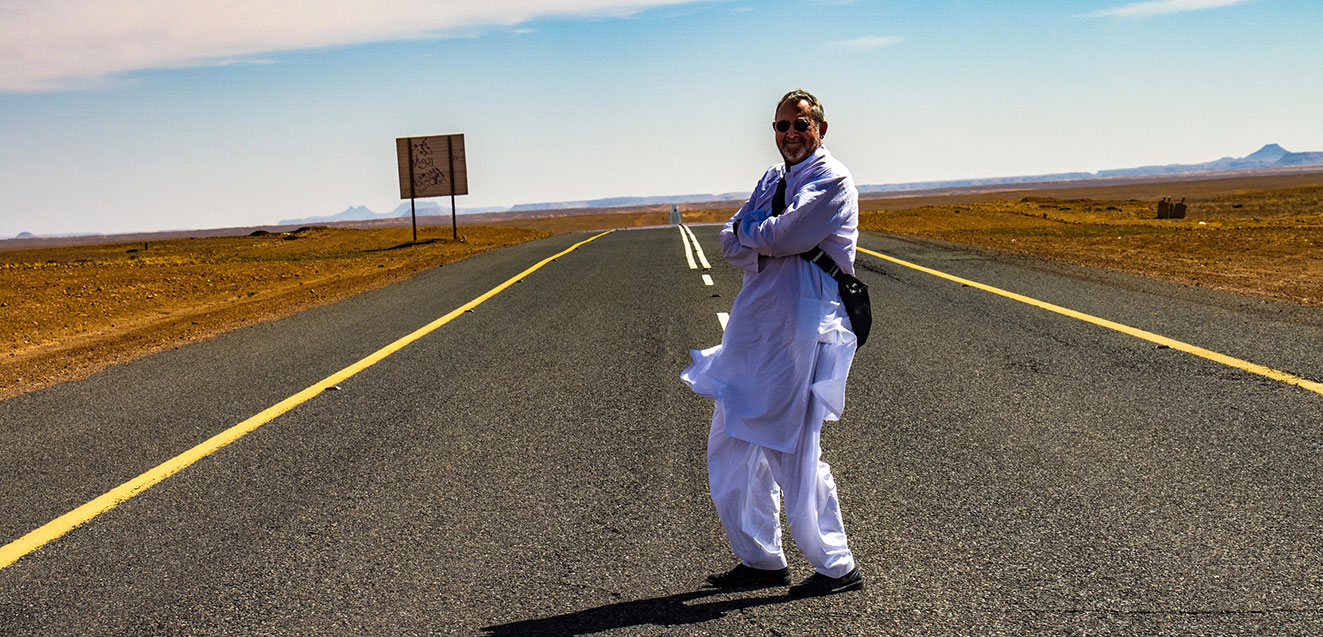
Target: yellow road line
x=39, y=537
x=1254, y=368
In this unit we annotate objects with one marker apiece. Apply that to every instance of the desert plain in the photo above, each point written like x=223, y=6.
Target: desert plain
x=67, y=311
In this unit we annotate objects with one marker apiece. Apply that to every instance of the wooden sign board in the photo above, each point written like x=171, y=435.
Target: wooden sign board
x=432, y=166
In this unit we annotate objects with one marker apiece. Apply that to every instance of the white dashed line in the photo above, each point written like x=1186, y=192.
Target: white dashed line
x=688, y=252
x=687, y=237
x=701, y=259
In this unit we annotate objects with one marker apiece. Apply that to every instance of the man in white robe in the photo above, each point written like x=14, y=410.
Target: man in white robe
x=781, y=367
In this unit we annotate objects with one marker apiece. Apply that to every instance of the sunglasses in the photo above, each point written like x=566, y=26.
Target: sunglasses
x=800, y=125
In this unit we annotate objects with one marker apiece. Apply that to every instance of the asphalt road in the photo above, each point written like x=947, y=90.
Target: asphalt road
x=536, y=466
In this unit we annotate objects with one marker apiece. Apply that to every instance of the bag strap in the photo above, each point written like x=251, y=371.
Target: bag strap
x=816, y=255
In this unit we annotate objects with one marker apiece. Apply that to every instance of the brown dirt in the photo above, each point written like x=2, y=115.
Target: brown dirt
x=67, y=312
x=1268, y=244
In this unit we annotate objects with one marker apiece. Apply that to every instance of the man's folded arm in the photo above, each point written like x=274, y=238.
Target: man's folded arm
x=731, y=250
x=816, y=211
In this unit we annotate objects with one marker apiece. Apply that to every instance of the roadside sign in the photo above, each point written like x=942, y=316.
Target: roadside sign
x=432, y=166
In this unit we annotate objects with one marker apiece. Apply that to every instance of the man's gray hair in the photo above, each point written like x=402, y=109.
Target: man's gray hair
x=815, y=107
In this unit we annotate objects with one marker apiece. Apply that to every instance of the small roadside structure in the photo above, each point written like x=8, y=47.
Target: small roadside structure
x=1169, y=210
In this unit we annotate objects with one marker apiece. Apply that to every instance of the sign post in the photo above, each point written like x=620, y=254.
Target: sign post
x=423, y=173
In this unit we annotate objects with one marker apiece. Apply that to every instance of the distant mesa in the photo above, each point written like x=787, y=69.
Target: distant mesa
x=363, y=213
x=1269, y=153
x=25, y=235
x=1270, y=156
x=1301, y=159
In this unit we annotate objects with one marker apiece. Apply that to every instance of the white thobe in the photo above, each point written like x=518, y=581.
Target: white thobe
x=788, y=341
x=781, y=368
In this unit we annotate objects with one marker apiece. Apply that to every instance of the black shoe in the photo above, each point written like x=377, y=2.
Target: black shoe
x=748, y=577
x=818, y=584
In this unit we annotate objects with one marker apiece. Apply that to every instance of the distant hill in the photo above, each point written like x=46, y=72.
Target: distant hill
x=1269, y=157
x=1269, y=153
x=363, y=213
x=1301, y=159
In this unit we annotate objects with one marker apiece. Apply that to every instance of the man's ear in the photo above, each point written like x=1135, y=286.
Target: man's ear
x=822, y=129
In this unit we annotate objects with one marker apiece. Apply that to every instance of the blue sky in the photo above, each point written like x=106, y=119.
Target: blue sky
x=133, y=115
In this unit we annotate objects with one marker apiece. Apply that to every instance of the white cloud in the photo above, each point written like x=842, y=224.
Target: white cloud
x=60, y=44
x=1156, y=7
x=865, y=43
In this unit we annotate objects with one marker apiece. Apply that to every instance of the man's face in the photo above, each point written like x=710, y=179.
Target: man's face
x=794, y=144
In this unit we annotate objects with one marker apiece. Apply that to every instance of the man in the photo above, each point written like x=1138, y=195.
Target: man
x=781, y=367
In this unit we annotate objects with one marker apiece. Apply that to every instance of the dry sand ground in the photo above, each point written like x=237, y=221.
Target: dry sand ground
x=1259, y=236
x=66, y=312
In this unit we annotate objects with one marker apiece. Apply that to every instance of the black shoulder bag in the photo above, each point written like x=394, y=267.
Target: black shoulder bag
x=854, y=294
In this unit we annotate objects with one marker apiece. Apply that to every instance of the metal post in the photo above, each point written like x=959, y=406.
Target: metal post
x=450, y=156
x=412, y=215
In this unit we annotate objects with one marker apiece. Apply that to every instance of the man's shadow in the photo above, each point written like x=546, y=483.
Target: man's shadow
x=671, y=610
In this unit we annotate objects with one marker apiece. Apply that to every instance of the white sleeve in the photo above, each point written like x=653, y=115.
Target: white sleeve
x=818, y=209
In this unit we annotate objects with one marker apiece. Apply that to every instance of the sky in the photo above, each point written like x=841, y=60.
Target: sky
x=142, y=115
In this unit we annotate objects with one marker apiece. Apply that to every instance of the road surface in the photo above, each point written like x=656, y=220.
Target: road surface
x=535, y=465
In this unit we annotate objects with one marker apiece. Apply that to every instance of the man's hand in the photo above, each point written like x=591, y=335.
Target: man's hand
x=753, y=218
